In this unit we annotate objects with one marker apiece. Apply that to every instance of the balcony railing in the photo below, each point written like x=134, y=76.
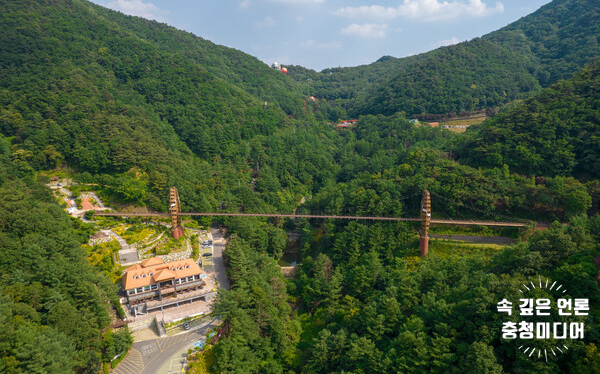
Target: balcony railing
x=187, y=285
x=165, y=290
x=143, y=295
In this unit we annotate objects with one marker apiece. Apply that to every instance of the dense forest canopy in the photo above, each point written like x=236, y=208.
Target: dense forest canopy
x=54, y=307
x=556, y=132
x=134, y=107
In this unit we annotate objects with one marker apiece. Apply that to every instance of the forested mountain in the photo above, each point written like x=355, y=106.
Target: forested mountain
x=557, y=132
x=508, y=64
x=562, y=36
x=105, y=92
x=231, y=65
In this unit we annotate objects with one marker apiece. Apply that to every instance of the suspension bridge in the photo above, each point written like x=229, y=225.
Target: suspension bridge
x=425, y=218
x=323, y=216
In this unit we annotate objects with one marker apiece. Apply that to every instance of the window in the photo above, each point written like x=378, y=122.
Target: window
x=181, y=268
x=131, y=292
x=136, y=277
x=146, y=288
x=187, y=266
x=144, y=275
x=151, y=274
x=138, y=290
x=154, y=287
x=190, y=279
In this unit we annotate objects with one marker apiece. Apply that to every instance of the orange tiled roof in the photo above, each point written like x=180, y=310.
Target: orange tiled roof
x=152, y=261
x=164, y=274
x=134, y=267
x=86, y=204
x=153, y=270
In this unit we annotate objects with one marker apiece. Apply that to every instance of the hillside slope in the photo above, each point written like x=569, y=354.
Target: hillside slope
x=556, y=132
x=54, y=307
x=103, y=92
x=229, y=64
x=563, y=36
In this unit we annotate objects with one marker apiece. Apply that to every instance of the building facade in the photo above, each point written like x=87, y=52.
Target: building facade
x=153, y=279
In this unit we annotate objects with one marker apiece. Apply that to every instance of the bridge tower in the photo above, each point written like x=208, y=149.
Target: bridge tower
x=174, y=211
x=425, y=222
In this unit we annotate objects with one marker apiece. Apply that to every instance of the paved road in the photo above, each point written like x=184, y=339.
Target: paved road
x=148, y=357
x=219, y=244
x=500, y=240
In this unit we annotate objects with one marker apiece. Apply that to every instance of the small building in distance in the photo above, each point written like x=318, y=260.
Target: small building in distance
x=347, y=123
x=153, y=279
x=434, y=124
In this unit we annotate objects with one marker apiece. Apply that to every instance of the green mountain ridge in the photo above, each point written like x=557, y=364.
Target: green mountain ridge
x=64, y=64
x=511, y=63
x=562, y=35
x=104, y=93
x=229, y=64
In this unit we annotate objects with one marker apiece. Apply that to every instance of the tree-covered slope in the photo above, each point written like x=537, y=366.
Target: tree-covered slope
x=229, y=64
x=464, y=77
x=508, y=64
x=348, y=82
x=78, y=84
x=557, y=132
x=53, y=304
x=562, y=36
x=372, y=308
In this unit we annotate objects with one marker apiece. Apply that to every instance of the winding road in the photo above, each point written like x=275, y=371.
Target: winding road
x=150, y=356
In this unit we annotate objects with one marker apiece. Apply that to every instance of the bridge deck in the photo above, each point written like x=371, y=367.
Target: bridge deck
x=439, y=221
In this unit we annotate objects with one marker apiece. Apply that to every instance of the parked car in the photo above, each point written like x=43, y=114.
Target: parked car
x=207, y=254
x=186, y=326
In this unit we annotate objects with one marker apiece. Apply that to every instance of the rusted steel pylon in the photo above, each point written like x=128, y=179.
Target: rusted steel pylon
x=425, y=222
x=175, y=210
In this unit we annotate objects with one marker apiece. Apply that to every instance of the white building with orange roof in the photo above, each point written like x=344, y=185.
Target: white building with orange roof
x=152, y=279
